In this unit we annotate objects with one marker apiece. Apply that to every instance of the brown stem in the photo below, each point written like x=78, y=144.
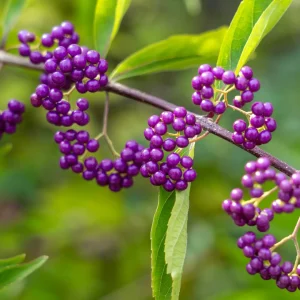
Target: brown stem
x=140, y=96
x=15, y=60
x=207, y=124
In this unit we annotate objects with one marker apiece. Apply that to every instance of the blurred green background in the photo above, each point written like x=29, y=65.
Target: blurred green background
x=98, y=241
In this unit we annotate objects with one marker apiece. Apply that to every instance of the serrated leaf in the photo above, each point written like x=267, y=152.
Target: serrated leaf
x=176, y=236
x=161, y=281
x=11, y=261
x=11, y=274
x=12, y=11
x=253, y=20
x=107, y=20
x=175, y=53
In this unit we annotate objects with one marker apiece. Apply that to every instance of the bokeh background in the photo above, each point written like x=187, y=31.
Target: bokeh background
x=98, y=241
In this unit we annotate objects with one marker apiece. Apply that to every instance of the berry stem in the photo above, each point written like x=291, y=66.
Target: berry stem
x=256, y=201
x=99, y=136
x=111, y=146
x=239, y=110
x=104, y=128
x=173, y=134
x=69, y=92
x=295, y=240
x=224, y=93
x=292, y=237
x=281, y=242
x=196, y=139
x=157, y=102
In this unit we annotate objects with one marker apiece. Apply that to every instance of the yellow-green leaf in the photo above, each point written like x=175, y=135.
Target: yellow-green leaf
x=164, y=284
x=161, y=281
x=263, y=26
x=107, y=20
x=253, y=20
x=11, y=13
x=176, y=236
x=14, y=273
x=175, y=53
x=11, y=261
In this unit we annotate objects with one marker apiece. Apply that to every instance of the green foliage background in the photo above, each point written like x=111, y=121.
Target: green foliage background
x=98, y=241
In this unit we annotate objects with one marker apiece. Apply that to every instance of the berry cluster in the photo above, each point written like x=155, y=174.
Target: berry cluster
x=247, y=85
x=59, y=109
x=248, y=212
x=267, y=263
x=10, y=117
x=175, y=172
x=261, y=251
x=261, y=124
x=82, y=67
x=69, y=64
x=72, y=65
x=63, y=35
x=204, y=91
x=119, y=173
x=115, y=174
x=260, y=128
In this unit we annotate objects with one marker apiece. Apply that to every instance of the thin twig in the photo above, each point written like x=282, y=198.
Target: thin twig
x=104, y=128
x=15, y=60
x=292, y=237
x=256, y=201
x=295, y=240
x=206, y=124
x=140, y=96
x=105, y=115
x=238, y=109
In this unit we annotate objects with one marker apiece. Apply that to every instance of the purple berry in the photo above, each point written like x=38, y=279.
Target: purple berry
x=247, y=96
x=218, y=72
x=239, y=126
x=180, y=112
x=258, y=108
x=207, y=105
x=190, y=175
x=254, y=85
x=228, y=77
x=241, y=83
x=246, y=72
x=173, y=159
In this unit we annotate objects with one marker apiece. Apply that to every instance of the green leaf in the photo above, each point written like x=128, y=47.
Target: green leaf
x=107, y=20
x=175, y=53
x=161, y=281
x=5, y=149
x=265, y=24
x=11, y=261
x=176, y=236
x=11, y=14
x=166, y=256
x=253, y=20
x=14, y=273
